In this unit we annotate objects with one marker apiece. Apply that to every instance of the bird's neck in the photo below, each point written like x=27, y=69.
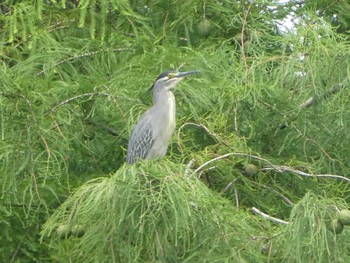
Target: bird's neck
x=164, y=101
x=165, y=98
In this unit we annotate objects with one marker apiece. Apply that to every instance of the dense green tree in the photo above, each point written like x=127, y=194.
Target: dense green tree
x=263, y=129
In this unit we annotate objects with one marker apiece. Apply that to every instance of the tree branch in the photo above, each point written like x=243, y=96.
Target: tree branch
x=242, y=33
x=78, y=97
x=88, y=54
x=278, y=168
x=271, y=218
x=313, y=100
x=283, y=169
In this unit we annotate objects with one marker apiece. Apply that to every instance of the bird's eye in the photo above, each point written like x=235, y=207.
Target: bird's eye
x=171, y=75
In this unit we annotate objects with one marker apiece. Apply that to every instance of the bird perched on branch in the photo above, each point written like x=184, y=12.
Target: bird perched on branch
x=151, y=136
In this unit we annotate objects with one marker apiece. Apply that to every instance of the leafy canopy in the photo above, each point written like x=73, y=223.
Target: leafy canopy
x=265, y=126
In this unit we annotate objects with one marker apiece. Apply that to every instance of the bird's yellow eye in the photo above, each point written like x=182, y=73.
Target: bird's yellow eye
x=171, y=75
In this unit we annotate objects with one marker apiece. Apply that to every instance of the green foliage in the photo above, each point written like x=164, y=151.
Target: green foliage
x=73, y=81
x=152, y=211
x=312, y=240
x=337, y=14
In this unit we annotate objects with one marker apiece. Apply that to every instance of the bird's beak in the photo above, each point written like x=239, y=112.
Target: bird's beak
x=184, y=74
x=178, y=75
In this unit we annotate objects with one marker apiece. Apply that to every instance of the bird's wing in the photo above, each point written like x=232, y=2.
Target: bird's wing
x=141, y=141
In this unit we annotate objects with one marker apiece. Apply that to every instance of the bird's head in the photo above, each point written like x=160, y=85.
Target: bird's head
x=168, y=79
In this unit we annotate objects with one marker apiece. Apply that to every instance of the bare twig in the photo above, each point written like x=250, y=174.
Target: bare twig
x=235, y=122
x=336, y=88
x=236, y=197
x=78, y=97
x=51, y=28
x=316, y=143
x=213, y=135
x=211, y=161
x=88, y=54
x=16, y=251
x=283, y=169
x=36, y=188
x=228, y=155
x=182, y=64
x=271, y=218
x=36, y=123
x=242, y=33
x=112, y=250
x=196, y=125
x=59, y=25
x=278, y=168
x=230, y=185
x=56, y=126
x=284, y=198
x=188, y=167
x=306, y=139
x=200, y=174
x=110, y=130
x=313, y=100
